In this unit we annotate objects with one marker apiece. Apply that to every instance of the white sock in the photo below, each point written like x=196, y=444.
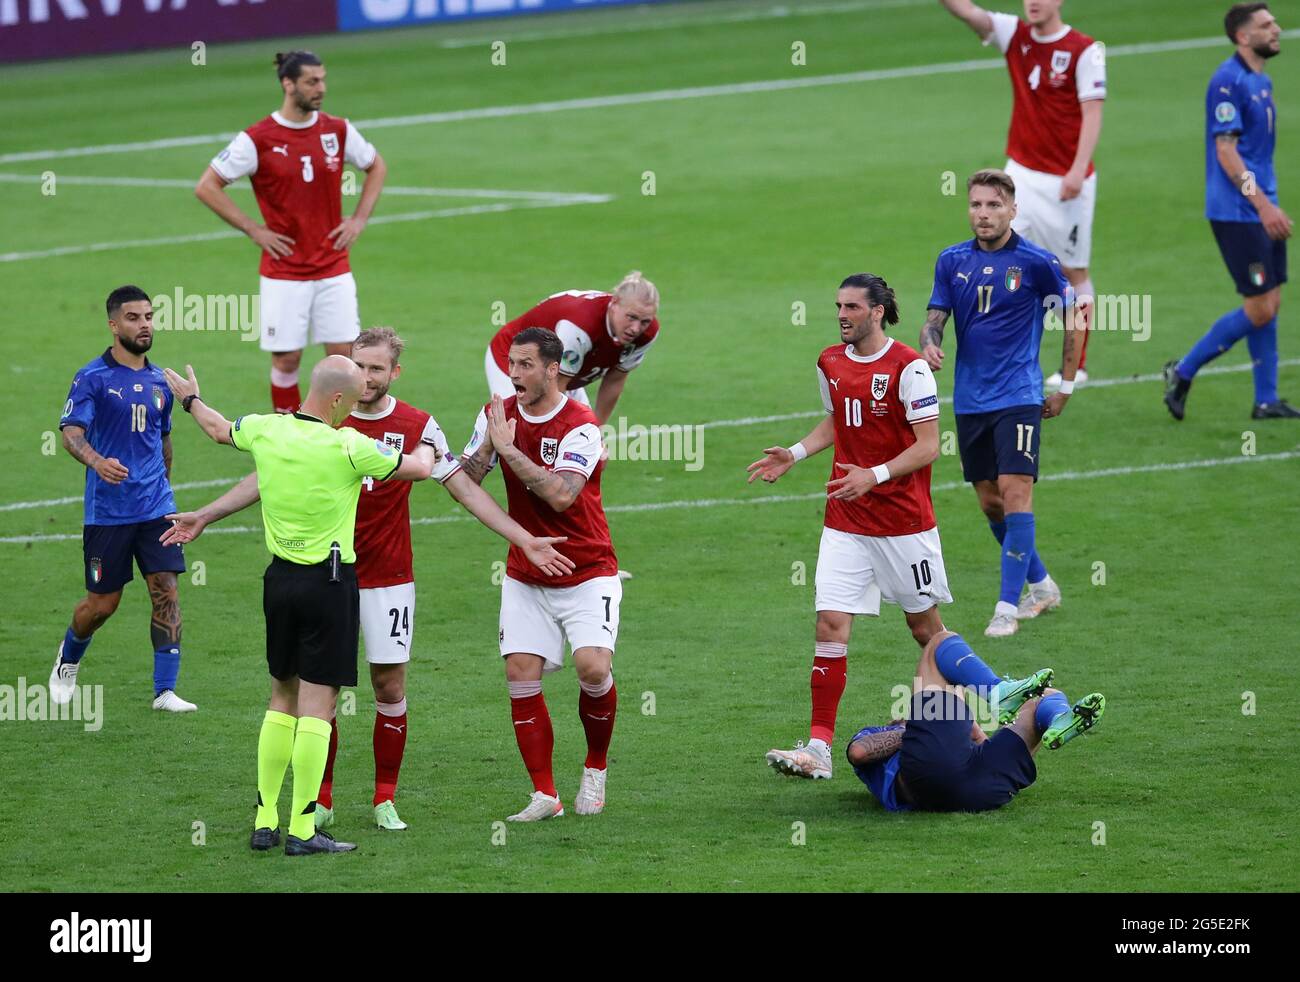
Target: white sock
x=1004, y=608
x=1042, y=584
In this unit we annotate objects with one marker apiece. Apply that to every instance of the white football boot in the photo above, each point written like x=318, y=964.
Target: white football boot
x=170, y=702
x=540, y=807
x=1004, y=623
x=1038, y=599
x=802, y=761
x=1053, y=381
x=63, y=679
x=591, y=792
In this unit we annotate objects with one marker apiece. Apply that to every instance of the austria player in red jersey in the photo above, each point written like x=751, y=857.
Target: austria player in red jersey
x=384, y=568
x=605, y=336
x=880, y=539
x=550, y=446
x=1058, y=80
x=294, y=159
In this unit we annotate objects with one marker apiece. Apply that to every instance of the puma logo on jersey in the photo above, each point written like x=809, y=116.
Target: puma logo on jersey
x=1225, y=90
x=605, y=627
x=1029, y=455
x=521, y=722
x=399, y=729
x=402, y=643
x=835, y=384
x=116, y=392
x=1017, y=556
x=965, y=276
x=1024, y=49
x=284, y=149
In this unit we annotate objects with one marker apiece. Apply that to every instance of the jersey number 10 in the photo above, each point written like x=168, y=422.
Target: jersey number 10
x=139, y=417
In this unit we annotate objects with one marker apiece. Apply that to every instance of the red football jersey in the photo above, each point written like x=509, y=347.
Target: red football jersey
x=297, y=175
x=383, y=531
x=566, y=439
x=578, y=317
x=1050, y=77
x=875, y=401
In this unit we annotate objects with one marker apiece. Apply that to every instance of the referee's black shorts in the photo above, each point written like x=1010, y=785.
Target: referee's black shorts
x=311, y=623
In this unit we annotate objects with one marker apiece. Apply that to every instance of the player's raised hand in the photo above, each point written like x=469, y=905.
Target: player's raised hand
x=777, y=461
x=1054, y=404
x=501, y=431
x=182, y=387
x=186, y=527
x=346, y=232
x=853, y=485
x=273, y=244
x=111, y=471
x=933, y=356
x=541, y=553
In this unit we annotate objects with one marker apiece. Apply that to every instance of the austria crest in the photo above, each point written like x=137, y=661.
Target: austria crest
x=396, y=440
x=1014, y=275
x=879, y=386
x=1060, y=62
x=550, y=450
x=329, y=142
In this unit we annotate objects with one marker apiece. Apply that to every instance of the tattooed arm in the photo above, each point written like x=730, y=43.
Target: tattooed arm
x=559, y=489
x=875, y=747
x=110, y=469
x=932, y=337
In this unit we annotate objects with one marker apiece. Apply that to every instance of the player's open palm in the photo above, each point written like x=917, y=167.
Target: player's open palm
x=186, y=527
x=776, y=461
x=501, y=431
x=542, y=554
x=182, y=387
x=111, y=471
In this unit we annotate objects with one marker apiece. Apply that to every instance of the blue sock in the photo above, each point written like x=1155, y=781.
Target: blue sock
x=1050, y=707
x=1227, y=331
x=74, y=647
x=1262, y=342
x=971, y=672
x=166, y=666
x=1037, y=571
x=1017, y=547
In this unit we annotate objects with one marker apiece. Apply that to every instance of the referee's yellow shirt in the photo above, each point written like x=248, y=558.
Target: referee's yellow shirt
x=309, y=476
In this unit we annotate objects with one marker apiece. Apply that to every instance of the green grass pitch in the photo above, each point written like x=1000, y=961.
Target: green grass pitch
x=1179, y=582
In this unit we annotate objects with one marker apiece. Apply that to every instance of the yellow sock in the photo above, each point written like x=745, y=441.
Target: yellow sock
x=310, y=748
x=274, y=748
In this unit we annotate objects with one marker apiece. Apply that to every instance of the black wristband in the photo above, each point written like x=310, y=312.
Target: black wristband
x=185, y=403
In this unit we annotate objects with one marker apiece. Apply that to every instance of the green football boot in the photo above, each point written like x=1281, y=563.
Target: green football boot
x=386, y=817
x=1011, y=694
x=323, y=816
x=1069, y=725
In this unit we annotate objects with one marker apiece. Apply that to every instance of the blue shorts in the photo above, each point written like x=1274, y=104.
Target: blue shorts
x=945, y=771
x=1004, y=441
x=1256, y=262
x=110, y=549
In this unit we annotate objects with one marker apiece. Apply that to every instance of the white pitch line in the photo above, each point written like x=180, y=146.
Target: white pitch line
x=627, y=99
x=743, y=421
x=567, y=197
x=769, y=499
x=413, y=216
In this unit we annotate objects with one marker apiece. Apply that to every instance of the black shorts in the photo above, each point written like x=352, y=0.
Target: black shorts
x=311, y=623
x=1256, y=262
x=110, y=549
x=946, y=771
x=1004, y=441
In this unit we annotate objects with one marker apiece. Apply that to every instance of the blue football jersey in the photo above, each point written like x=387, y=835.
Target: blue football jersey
x=1239, y=101
x=125, y=413
x=879, y=779
x=998, y=301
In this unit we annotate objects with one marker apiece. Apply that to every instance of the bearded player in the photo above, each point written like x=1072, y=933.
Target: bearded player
x=294, y=159
x=880, y=538
x=605, y=336
x=384, y=568
x=1058, y=82
x=550, y=447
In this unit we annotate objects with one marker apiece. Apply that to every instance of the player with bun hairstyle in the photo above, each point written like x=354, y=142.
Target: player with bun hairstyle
x=294, y=159
x=880, y=538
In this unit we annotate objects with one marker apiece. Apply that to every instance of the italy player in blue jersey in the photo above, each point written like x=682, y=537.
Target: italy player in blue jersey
x=1241, y=204
x=117, y=422
x=999, y=288
x=940, y=758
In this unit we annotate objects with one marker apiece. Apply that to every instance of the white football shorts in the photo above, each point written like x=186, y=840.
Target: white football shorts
x=387, y=623
x=539, y=619
x=1063, y=228
x=855, y=571
x=296, y=313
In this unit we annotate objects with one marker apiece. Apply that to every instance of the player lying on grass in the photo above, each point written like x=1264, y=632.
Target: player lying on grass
x=384, y=565
x=940, y=759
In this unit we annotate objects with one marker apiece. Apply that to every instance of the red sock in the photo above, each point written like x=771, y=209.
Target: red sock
x=597, y=714
x=390, y=744
x=285, y=398
x=536, y=738
x=326, y=797
x=829, y=676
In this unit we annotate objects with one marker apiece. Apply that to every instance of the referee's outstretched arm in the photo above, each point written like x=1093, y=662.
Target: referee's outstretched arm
x=186, y=392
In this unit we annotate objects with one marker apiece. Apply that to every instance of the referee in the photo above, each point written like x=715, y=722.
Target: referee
x=309, y=474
